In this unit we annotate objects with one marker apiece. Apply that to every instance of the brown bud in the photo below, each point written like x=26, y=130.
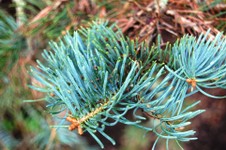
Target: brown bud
x=52, y=94
x=80, y=131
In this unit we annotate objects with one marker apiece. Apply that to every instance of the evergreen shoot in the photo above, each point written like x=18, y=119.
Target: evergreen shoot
x=97, y=75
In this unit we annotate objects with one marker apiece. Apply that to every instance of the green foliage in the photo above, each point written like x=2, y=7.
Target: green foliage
x=204, y=6
x=215, y=12
x=11, y=42
x=51, y=19
x=7, y=141
x=97, y=75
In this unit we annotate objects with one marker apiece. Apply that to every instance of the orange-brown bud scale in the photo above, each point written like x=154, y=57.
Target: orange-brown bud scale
x=52, y=94
x=80, y=131
x=72, y=120
x=74, y=124
x=192, y=82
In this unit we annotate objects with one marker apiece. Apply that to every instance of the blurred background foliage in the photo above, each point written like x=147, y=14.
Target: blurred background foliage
x=26, y=27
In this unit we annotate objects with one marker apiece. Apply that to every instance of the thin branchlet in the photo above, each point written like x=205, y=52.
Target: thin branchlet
x=76, y=122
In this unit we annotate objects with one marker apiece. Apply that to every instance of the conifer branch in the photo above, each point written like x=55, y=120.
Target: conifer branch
x=97, y=75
